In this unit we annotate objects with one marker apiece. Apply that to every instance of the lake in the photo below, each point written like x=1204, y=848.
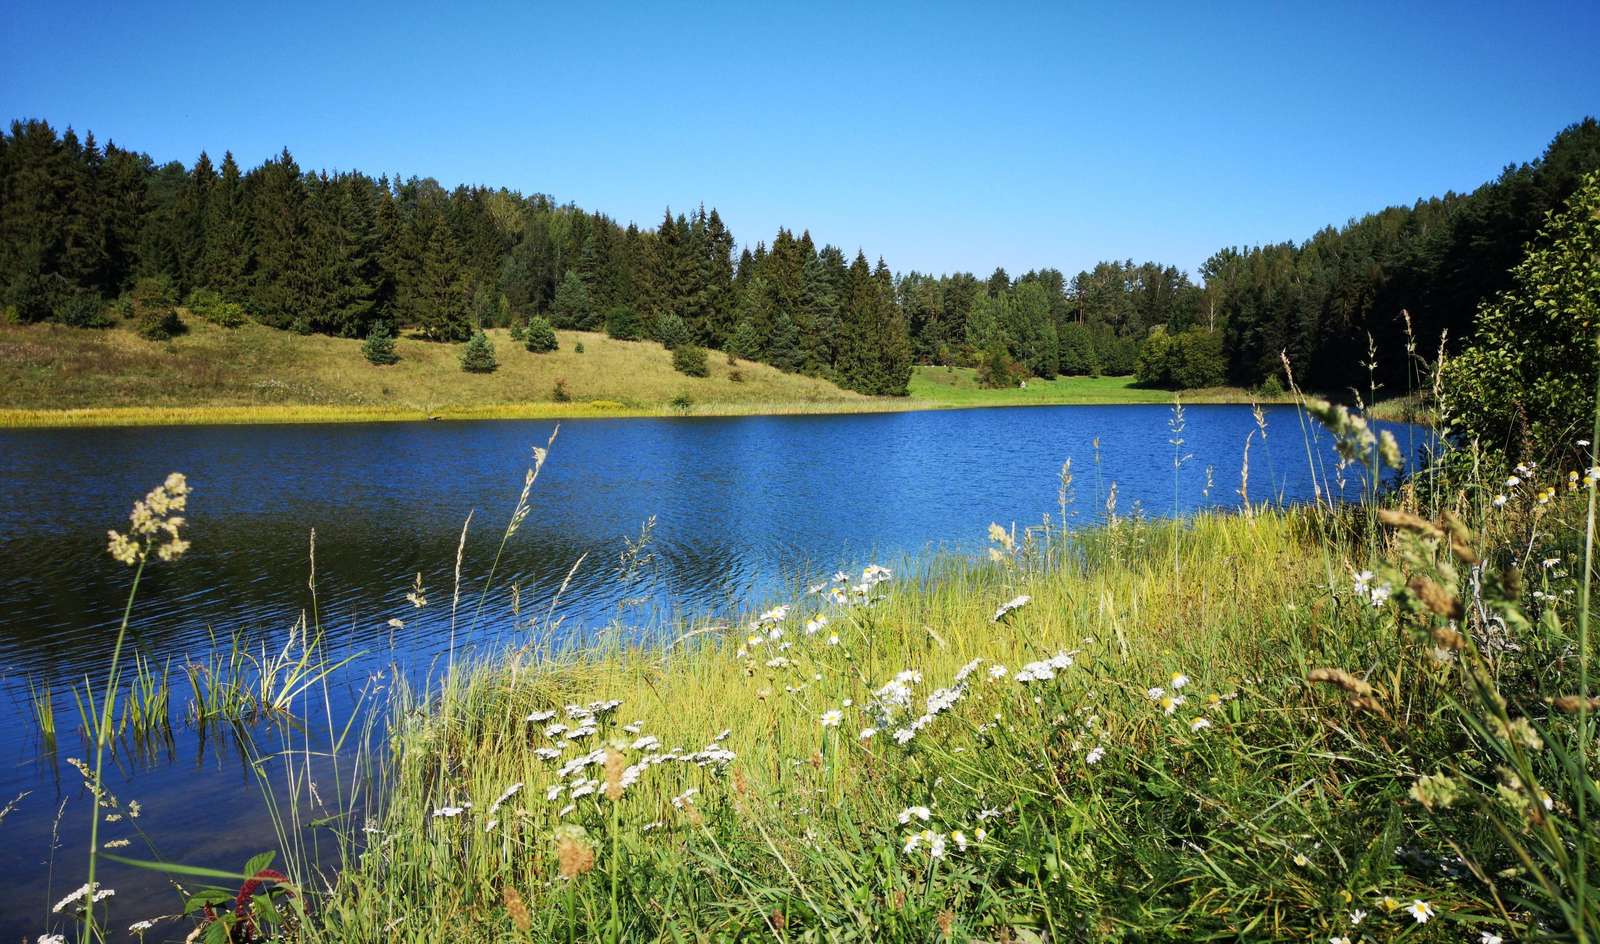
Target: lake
x=745, y=510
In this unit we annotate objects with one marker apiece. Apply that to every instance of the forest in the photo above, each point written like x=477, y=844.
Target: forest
x=90, y=233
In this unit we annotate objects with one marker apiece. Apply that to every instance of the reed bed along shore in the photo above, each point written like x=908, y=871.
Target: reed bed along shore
x=1348, y=723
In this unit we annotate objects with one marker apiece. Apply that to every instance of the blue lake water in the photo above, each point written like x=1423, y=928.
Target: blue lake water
x=745, y=509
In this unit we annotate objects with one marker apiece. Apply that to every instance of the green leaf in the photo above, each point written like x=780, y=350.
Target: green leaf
x=257, y=863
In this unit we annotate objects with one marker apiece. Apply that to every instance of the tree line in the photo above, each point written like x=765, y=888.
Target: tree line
x=348, y=254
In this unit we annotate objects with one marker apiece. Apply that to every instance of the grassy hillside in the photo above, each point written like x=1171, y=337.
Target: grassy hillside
x=53, y=375
x=253, y=371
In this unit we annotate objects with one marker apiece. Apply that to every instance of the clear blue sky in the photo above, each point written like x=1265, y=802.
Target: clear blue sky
x=941, y=137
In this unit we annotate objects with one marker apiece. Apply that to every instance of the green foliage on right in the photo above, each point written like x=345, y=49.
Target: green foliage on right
x=1527, y=384
x=539, y=337
x=477, y=357
x=690, y=359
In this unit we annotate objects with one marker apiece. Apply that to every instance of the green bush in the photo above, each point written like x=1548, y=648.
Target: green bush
x=624, y=324
x=539, y=337
x=1528, y=381
x=690, y=359
x=155, y=311
x=83, y=310
x=560, y=393
x=577, y=348
x=1184, y=361
x=379, y=346
x=209, y=305
x=516, y=331
x=996, y=369
x=477, y=357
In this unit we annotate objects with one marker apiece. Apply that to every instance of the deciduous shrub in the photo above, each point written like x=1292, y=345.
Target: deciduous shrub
x=209, y=305
x=1529, y=377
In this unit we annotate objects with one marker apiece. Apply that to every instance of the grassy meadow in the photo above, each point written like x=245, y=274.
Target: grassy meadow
x=958, y=387
x=55, y=375
x=1367, y=723
x=52, y=375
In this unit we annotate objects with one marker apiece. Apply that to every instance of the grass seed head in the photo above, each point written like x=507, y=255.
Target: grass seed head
x=1342, y=679
x=1435, y=597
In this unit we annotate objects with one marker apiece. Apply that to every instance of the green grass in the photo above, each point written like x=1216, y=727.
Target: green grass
x=52, y=375
x=958, y=386
x=1275, y=725
x=1261, y=807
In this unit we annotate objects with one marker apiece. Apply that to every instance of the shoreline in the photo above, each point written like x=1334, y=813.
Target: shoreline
x=301, y=414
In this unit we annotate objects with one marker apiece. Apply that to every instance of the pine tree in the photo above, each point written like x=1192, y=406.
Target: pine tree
x=189, y=224
x=754, y=320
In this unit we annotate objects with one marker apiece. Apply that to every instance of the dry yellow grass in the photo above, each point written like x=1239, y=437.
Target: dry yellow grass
x=58, y=375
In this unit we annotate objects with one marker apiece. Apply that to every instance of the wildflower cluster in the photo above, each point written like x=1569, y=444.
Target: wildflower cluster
x=154, y=524
x=1368, y=589
x=935, y=844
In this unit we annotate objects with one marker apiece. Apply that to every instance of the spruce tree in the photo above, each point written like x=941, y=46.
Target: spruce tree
x=745, y=342
x=572, y=309
x=856, y=364
x=672, y=332
x=477, y=356
x=226, y=252
x=539, y=337
x=379, y=346
x=783, y=348
x=892, y=338
x=439, y=295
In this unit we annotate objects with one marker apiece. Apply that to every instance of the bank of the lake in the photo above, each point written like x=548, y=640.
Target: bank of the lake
x=52, y=375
